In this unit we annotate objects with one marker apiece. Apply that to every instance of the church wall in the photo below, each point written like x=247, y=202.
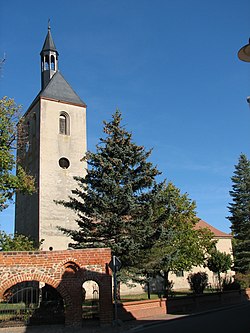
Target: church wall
x=27, y=206
x=56, y=182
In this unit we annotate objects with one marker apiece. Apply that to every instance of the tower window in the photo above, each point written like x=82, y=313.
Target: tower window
x=64, y=123
x=52, y=63
x=64, y=163
x=46, y=64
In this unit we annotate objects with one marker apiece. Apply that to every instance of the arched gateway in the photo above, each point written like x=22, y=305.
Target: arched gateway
x=66, y=271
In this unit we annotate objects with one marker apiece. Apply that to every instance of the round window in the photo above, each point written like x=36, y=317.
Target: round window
x=64, y=163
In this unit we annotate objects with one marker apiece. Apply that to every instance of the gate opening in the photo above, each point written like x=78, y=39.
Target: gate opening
x=90, y=301
x=31, y=303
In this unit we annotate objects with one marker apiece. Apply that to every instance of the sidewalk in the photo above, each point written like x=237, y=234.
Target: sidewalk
x=92, y=327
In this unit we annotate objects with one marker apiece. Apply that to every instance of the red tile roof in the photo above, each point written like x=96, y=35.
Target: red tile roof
x=217, y=233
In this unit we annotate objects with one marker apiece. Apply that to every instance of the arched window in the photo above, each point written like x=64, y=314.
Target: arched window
x=46, y=64
x=52, y=63
x=64, y=123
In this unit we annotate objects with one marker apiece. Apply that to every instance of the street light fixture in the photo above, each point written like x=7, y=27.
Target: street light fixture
x=244, y=52
x=244, y=55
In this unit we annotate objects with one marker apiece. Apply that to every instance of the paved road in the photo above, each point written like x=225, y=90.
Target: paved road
x=235, y=319
x=231, y=320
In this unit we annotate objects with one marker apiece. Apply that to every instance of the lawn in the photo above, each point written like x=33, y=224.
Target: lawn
x=173, y=293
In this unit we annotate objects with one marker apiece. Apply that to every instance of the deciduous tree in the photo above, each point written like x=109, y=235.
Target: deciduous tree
x=9, y=182
x=180, y=245
x=16, y=242
x=219, y=262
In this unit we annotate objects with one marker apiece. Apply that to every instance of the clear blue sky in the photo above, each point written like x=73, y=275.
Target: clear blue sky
x=170, y=66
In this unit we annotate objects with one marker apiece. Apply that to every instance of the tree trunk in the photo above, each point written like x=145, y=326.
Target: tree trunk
x=219, y=279
x=148, y=286
x=166, y=284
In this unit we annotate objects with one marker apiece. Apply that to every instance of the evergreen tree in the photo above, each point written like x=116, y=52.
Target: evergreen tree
x=114, y=201
x=240, y=214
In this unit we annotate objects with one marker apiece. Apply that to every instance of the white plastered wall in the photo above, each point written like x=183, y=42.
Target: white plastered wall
x=57, y=183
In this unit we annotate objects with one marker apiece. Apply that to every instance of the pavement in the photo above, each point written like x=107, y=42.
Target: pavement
x=130, y=326
x=94, y=327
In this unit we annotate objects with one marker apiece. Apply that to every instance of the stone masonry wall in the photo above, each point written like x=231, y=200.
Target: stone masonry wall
x=64, y=270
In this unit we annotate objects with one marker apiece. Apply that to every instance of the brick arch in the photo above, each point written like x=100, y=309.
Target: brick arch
x=39, y=278
x=65, y=271
x=85, y=275
x=27, y=277
x=60, y=266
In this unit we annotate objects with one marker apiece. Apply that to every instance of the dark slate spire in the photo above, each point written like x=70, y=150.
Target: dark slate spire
x=49, y=44
x=49, y=59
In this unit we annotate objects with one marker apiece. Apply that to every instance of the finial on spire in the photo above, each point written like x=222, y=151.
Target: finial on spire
x=48, y=24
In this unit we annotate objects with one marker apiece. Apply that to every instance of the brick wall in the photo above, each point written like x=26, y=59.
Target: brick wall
x=64, y=270
x=141, y=309
x=204, y=302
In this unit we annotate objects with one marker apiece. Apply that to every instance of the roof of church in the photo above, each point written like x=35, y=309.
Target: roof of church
x=59, y=89
x=217, y=233
x=49, y=43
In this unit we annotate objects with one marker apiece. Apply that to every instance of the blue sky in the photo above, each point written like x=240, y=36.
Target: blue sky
x=170, y=66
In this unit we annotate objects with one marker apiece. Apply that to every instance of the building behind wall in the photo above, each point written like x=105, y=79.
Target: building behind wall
x=55, y=143
x=179, y=279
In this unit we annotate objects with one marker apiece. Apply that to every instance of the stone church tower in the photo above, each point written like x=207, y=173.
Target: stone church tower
x=55, y=142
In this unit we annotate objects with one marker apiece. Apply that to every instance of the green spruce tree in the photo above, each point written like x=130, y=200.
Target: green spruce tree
x=240, y=214
x=114, y=201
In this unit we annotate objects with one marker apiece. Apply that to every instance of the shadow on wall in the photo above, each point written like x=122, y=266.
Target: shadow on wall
x=197, y=303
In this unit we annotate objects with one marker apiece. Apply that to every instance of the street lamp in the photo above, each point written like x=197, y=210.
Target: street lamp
x=244, y=55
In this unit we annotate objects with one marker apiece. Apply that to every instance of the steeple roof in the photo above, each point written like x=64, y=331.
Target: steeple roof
x=49, y=44
x=59, y=89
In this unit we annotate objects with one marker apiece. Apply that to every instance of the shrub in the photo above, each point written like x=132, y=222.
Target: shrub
x=229, y=284
x=198, y=282
x=243, y=280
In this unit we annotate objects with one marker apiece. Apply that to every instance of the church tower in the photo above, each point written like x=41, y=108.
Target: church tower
x=55, y=143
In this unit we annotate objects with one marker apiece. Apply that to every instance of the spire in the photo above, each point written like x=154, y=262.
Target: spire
x=49, y=58
x=49, y=43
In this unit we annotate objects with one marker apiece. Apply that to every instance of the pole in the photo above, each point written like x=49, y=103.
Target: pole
x=115, y=290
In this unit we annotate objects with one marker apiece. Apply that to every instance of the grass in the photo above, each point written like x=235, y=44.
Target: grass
x=139, y=297
x=174, y=293
x=11, y=306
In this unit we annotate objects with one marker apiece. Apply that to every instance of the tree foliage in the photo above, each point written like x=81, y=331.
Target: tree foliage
x=114, y=201
x=198, y=282
x=240, y=214
x=10, y=183
x=16, y=242
x=180, y=245
x=219, y=262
